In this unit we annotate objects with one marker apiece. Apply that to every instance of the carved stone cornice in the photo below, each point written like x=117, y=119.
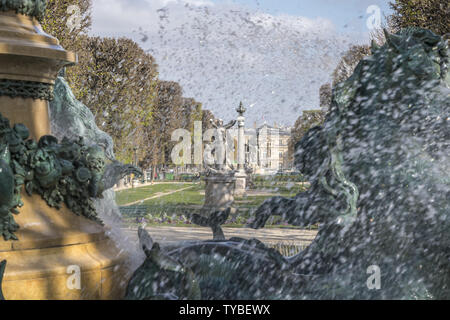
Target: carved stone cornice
x=26, y=89
x=27, y=53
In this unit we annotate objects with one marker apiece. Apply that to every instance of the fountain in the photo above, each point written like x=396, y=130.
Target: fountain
x=378, y=169
x=223, y=183
x=48, y=221
x=379, y=174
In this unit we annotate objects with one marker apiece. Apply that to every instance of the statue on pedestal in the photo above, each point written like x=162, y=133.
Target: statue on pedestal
x=220, y=146
x=220, y=182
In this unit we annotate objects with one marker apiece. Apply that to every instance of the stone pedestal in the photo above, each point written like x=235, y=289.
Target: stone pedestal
x=241, y=184
x=218, y=202
x=219, y=192
x=52, y=243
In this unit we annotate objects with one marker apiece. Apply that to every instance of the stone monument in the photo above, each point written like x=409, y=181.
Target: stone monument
x=49, y=227
x=220, y=184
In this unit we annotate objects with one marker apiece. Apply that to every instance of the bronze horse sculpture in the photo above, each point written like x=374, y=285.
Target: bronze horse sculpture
x=379, y=174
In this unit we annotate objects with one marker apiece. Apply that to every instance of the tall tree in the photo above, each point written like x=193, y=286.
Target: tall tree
x=325, y=93
x=207, y=116
x=70, y=21
x=167, y=116
x=349, y=62
x=308, y=119
x=119, y=86
x=67, y=20
x=191, y=112
x=429, y=14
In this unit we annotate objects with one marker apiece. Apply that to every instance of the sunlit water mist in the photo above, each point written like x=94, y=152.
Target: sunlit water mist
x=72, y=119
x=110, y=215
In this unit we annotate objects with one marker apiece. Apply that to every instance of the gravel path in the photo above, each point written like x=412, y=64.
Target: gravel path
x=171, y=235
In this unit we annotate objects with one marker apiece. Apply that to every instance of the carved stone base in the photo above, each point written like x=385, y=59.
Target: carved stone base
x=27, y=53
x=219, y=191
x=51, y=242
x=241, y=184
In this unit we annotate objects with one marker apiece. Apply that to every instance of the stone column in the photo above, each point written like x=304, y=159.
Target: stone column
x=241, y=176
x=241, y=142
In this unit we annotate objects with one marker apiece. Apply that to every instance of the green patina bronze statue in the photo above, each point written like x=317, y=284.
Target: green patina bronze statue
x=32, y=8
x=68, y=172
x=161, y=277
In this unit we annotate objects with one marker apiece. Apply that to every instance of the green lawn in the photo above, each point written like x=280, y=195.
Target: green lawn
x=280, y=186
x=192, y=196
x=173, y=209
x=131, y=195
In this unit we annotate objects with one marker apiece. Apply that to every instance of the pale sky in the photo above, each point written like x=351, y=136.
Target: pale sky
x=272, y=55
